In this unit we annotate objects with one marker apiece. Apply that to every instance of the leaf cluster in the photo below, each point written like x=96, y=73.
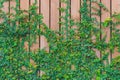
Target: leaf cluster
x=72, y=49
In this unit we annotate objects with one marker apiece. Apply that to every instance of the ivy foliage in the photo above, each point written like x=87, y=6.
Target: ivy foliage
x=72, y=54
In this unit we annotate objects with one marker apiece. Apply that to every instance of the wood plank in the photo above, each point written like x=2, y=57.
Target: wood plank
x=75, y=14
x=75, y=4
x=97, y=17
x=45, y=12
x=75, y=7
x=54, y=17
x=106, y=31
x=5, y=8
x=116, y=8
x=106, y=15
x=12, y=5
x=24, y=5
x=63, y=5
x=35, y=46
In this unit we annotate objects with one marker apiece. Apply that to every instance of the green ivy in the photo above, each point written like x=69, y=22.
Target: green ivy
x=72, y=54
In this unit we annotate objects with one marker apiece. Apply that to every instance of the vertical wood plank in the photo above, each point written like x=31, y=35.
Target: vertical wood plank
x=35, y=46
x=75, y=7
x=45, y=12
x=54, y=19
x=24, y=5
x=106, y=31
x=5, y=8
x=116, y=8
x=97, y=17
x=104, y=16
x=12, y=5
x=61, y=5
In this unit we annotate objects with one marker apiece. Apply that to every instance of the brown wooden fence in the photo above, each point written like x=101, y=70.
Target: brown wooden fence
x=49, y=9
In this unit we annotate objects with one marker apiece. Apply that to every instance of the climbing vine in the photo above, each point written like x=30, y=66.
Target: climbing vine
x=72, y=54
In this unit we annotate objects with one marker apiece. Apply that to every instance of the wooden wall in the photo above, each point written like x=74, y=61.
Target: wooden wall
x=49, y=9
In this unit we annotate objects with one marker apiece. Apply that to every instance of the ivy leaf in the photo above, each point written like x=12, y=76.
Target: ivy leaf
x=62, y=9
x=116, y=16
x=107, y=22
